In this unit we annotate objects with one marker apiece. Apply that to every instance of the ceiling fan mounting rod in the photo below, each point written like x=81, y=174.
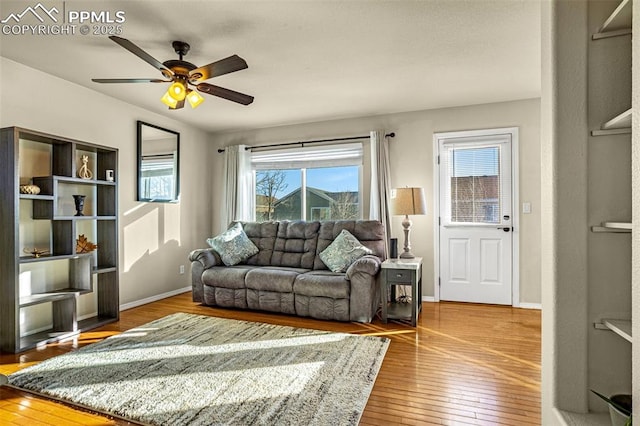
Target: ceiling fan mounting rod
x=181, y=48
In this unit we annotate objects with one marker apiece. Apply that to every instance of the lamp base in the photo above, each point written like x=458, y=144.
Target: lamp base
x=406, y=224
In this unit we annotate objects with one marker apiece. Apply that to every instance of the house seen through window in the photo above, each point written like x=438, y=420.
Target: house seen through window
x=309, y=183
x=325, y=193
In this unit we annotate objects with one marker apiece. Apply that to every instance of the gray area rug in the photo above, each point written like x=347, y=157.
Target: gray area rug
x=188, y=369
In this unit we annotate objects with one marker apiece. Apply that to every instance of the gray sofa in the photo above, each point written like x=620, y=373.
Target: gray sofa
x=287, y=275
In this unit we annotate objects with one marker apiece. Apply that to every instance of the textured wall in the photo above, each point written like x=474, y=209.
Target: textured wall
x=411, y=153
x=154, y=238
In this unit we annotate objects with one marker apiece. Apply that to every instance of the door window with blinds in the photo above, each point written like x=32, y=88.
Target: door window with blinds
x=477, y=180
x=309, y=183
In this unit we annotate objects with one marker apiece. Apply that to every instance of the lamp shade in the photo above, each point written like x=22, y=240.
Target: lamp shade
x=408, y=201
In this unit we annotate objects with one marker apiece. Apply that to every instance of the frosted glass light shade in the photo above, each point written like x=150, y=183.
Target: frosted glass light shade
x=177, y=91
x=194, y=98
x=168, y=100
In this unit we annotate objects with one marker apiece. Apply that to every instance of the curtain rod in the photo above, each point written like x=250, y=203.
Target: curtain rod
x=390, y=135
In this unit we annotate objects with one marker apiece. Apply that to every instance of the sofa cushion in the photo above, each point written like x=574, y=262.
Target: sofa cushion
x=343, y=251
x=226, y=276
x=273, y=301
x=263, y=235
x=325, y=308
x=322, y=284
x=233, y=245
x=295, y=245
x=276, y=279
x=369, y=232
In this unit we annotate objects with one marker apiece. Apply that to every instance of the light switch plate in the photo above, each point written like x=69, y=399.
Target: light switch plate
x=526, y=208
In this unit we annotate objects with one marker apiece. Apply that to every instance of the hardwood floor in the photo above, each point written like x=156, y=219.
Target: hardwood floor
x=463, y=364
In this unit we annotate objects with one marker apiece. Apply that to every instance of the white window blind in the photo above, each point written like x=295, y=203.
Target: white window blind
x=345, y=154
x=477, y=179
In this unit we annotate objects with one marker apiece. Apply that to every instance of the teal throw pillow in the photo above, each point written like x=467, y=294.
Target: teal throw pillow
x=233, y=245
x=343, y=251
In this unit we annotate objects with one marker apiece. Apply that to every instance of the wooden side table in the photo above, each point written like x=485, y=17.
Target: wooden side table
x=406, y=272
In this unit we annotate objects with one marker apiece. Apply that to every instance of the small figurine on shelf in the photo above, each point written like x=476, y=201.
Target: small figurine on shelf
x=84, y=171
x=84, y=246
x=35, y=252
x=79, y=200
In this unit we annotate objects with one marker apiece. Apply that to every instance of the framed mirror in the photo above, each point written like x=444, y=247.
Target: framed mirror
x=158, y=164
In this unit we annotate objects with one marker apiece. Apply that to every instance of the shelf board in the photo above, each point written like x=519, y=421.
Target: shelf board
x=36, y=197
x=399, y=310
x=49, y=257
x=621, y=327
x=45, y=337
x=103, y=269
x=620, y=121
x=610, y=132
x=76, y=180
x=95, y=322
x=613, y=227
x=617, y=225
x=49, y=336
x=618, y=23
x=36, y=299
x=82, y=218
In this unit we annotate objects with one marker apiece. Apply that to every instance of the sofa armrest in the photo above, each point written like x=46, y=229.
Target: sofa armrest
x=364, y=296
x=207, y=257
x=368, y=264
x=201, y=260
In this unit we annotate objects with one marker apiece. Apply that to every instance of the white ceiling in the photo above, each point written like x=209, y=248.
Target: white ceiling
x=308, y=60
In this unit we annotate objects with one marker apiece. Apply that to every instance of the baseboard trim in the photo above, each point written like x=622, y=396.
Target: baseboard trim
x=522, y=305
x=155, y=298
x=428, y=299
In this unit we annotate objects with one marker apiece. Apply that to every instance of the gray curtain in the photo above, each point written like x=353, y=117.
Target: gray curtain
x=239, y=191
x=380, y=183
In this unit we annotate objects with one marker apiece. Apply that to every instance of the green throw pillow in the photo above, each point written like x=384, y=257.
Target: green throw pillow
x=233, y=245
x=343, y=251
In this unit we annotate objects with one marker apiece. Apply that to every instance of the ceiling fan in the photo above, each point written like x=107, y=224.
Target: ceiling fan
x=182, y=74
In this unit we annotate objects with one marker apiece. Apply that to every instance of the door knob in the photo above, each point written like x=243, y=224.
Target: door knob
x=505, y=229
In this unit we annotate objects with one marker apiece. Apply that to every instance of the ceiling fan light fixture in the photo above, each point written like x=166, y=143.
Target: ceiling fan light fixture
x=168, y=100
x=180, y=74
x=177, y=91
x=194, y=98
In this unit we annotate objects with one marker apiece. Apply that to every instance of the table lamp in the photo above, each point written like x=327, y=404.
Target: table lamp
x=408, y=201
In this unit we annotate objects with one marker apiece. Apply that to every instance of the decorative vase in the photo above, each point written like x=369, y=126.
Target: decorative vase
x=79, y=200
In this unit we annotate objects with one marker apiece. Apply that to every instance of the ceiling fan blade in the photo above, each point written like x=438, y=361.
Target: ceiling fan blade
x=179, y=105
x=129, y=80
x=221, y=92
x=223, y=66
x=141, y=54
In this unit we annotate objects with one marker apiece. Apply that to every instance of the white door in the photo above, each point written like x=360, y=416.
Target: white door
x=476, y=217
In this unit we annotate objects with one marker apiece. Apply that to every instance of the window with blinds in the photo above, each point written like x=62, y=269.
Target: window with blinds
x=157, y=177
x=477, y=179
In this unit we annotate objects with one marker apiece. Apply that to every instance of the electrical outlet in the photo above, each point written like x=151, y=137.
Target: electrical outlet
x=181, y=269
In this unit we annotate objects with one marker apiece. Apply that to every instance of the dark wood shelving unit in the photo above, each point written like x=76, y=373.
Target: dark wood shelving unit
x=85, y=270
